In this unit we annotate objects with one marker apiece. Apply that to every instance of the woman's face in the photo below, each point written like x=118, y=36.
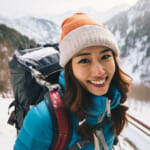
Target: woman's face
x=94, y=68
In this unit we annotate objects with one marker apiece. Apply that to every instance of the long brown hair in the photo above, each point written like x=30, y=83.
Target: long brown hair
x=76, y=100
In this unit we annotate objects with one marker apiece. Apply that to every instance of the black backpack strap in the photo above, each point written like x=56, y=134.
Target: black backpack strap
x=16, y=116
x=79, y=145
x=62, y=126
x=116, y=140
x=101, y=124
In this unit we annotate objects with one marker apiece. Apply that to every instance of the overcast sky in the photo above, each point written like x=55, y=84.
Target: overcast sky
x=17, y=8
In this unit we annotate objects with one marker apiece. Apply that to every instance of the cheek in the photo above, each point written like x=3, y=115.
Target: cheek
x=111, y=68
x=79, y=73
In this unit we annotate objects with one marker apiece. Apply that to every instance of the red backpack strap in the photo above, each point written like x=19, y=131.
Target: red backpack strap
x=62, y=125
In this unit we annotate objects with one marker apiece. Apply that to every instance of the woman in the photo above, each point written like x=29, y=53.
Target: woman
x=95, y=89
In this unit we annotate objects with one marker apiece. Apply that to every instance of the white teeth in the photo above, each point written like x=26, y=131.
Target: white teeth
x=98, y=82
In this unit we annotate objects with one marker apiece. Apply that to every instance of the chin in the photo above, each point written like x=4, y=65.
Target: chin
x=99, y=92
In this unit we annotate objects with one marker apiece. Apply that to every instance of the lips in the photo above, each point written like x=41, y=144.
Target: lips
x=98, y=83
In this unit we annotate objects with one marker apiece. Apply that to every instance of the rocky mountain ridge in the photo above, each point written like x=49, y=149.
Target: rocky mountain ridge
x=132, y=32
x=40, y=30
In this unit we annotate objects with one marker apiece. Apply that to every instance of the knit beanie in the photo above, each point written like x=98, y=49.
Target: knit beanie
x=80, y=31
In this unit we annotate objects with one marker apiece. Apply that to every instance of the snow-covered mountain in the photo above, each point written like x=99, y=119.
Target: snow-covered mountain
x=40, y=30
x=132, y=31
x=100, y=16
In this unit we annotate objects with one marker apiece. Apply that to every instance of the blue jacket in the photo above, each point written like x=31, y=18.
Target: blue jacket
x=36, y=132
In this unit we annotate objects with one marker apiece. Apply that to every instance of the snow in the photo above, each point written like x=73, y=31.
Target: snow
x=139, y=110
x=39, y=54
x=130, y=139
x=7, y=132
x=138, y=139
x=135, y=65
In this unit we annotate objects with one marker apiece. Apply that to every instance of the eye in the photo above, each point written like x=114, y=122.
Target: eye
x=106, y=57
x=83, y=61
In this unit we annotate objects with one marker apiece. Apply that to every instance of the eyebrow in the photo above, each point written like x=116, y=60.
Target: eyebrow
x=103, y=51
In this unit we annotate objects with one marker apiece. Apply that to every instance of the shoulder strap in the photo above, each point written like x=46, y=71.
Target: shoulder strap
x=82, y=143
x=101, y=124
x=79, y=145
x=62, y=125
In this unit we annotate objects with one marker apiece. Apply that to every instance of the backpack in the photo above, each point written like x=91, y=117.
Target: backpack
x=27, y=67
x=34, y=76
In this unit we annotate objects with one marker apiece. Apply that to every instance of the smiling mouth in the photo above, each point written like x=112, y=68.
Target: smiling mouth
x=98, y=83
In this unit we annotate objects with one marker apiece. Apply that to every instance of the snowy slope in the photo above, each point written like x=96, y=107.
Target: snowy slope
x=132, y=32
x=7, y=132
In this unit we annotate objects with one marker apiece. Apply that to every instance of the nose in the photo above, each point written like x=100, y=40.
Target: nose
x=97, y=69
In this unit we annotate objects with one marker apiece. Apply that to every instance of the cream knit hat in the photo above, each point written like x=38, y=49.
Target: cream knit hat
x=80, y=31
